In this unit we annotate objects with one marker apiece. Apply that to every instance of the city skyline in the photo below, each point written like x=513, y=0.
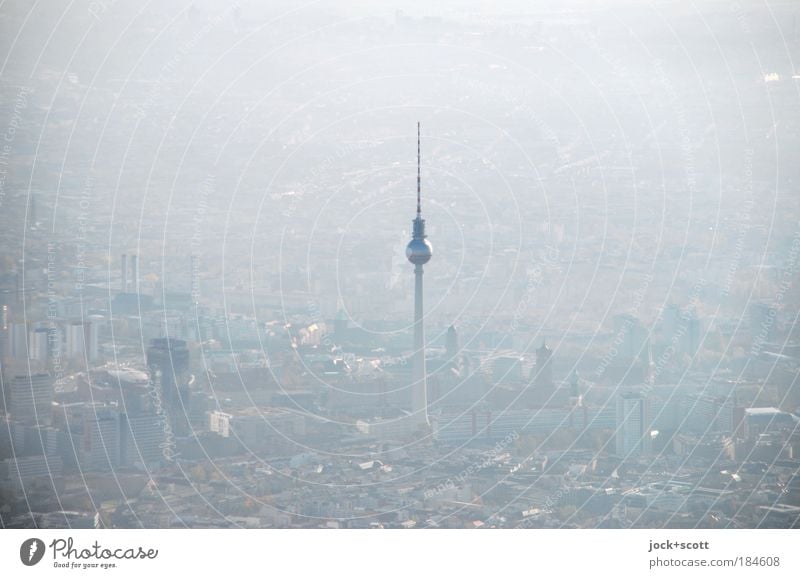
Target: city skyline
x=212, y=314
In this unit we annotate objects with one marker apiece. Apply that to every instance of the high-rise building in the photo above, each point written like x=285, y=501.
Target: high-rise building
x=419, y=252
x=123, y=273
x=31, y=398
x=100, y=447
x=574, y=384
x=75, y=345
x=16, y=346
x=632, y=425
x=168, y=364
x=134, y=274
x=707, y=414
x=23, y=472
x=543, y=372
x=143, y=439
x=38, y=348
x=451, y=344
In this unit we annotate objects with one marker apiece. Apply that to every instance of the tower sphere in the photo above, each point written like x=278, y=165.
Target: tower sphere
x=419, y=251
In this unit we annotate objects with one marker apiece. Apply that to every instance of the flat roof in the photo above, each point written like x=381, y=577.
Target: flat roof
x=762, y=410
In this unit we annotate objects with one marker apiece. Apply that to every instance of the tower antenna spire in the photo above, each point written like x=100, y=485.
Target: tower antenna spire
x=419, y=181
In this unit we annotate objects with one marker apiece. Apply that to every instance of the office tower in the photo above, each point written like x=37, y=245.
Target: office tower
x=134, y=274
x=38, y=347
x=704, y=414
x=168, y=361
x=74, y=339
x=168, y=364
x=81, y=340
x=543, y=380
x=16, y=346
x=574, y=384
x=100, y=447
x=632, y=425
x=24, y=472
x=31, y=398
x=419, y=252
x=92, y=335
x=143, y=440
x=55, y=338
x=123, y=273
x=451, y=343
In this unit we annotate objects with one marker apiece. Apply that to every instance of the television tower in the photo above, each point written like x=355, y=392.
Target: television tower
x=419, y=252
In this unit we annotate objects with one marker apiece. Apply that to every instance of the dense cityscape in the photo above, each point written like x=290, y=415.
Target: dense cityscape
x=211, y=273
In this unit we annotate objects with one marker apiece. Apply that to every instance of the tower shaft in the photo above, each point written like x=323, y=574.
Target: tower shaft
x=419, y=392
x=419, y=252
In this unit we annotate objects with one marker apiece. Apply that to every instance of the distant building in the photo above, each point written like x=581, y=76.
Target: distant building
x=219, y=422
x=24, y=472
x=507, y=369
x=762, y=323
x=168, y=364
x=22, y=440
x=761, y=420
x=38, y=345
x=708, y=414
x=81, y=340
x=260, y=429
x=543, y=371
x=482, y=426
x=100, y=446
x=632, y=425
x=16, y=341
x=30, y=398
x=451, y=344
x=143, y=439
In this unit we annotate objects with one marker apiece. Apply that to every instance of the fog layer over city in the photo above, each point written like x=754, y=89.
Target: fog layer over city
x=208, y=309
